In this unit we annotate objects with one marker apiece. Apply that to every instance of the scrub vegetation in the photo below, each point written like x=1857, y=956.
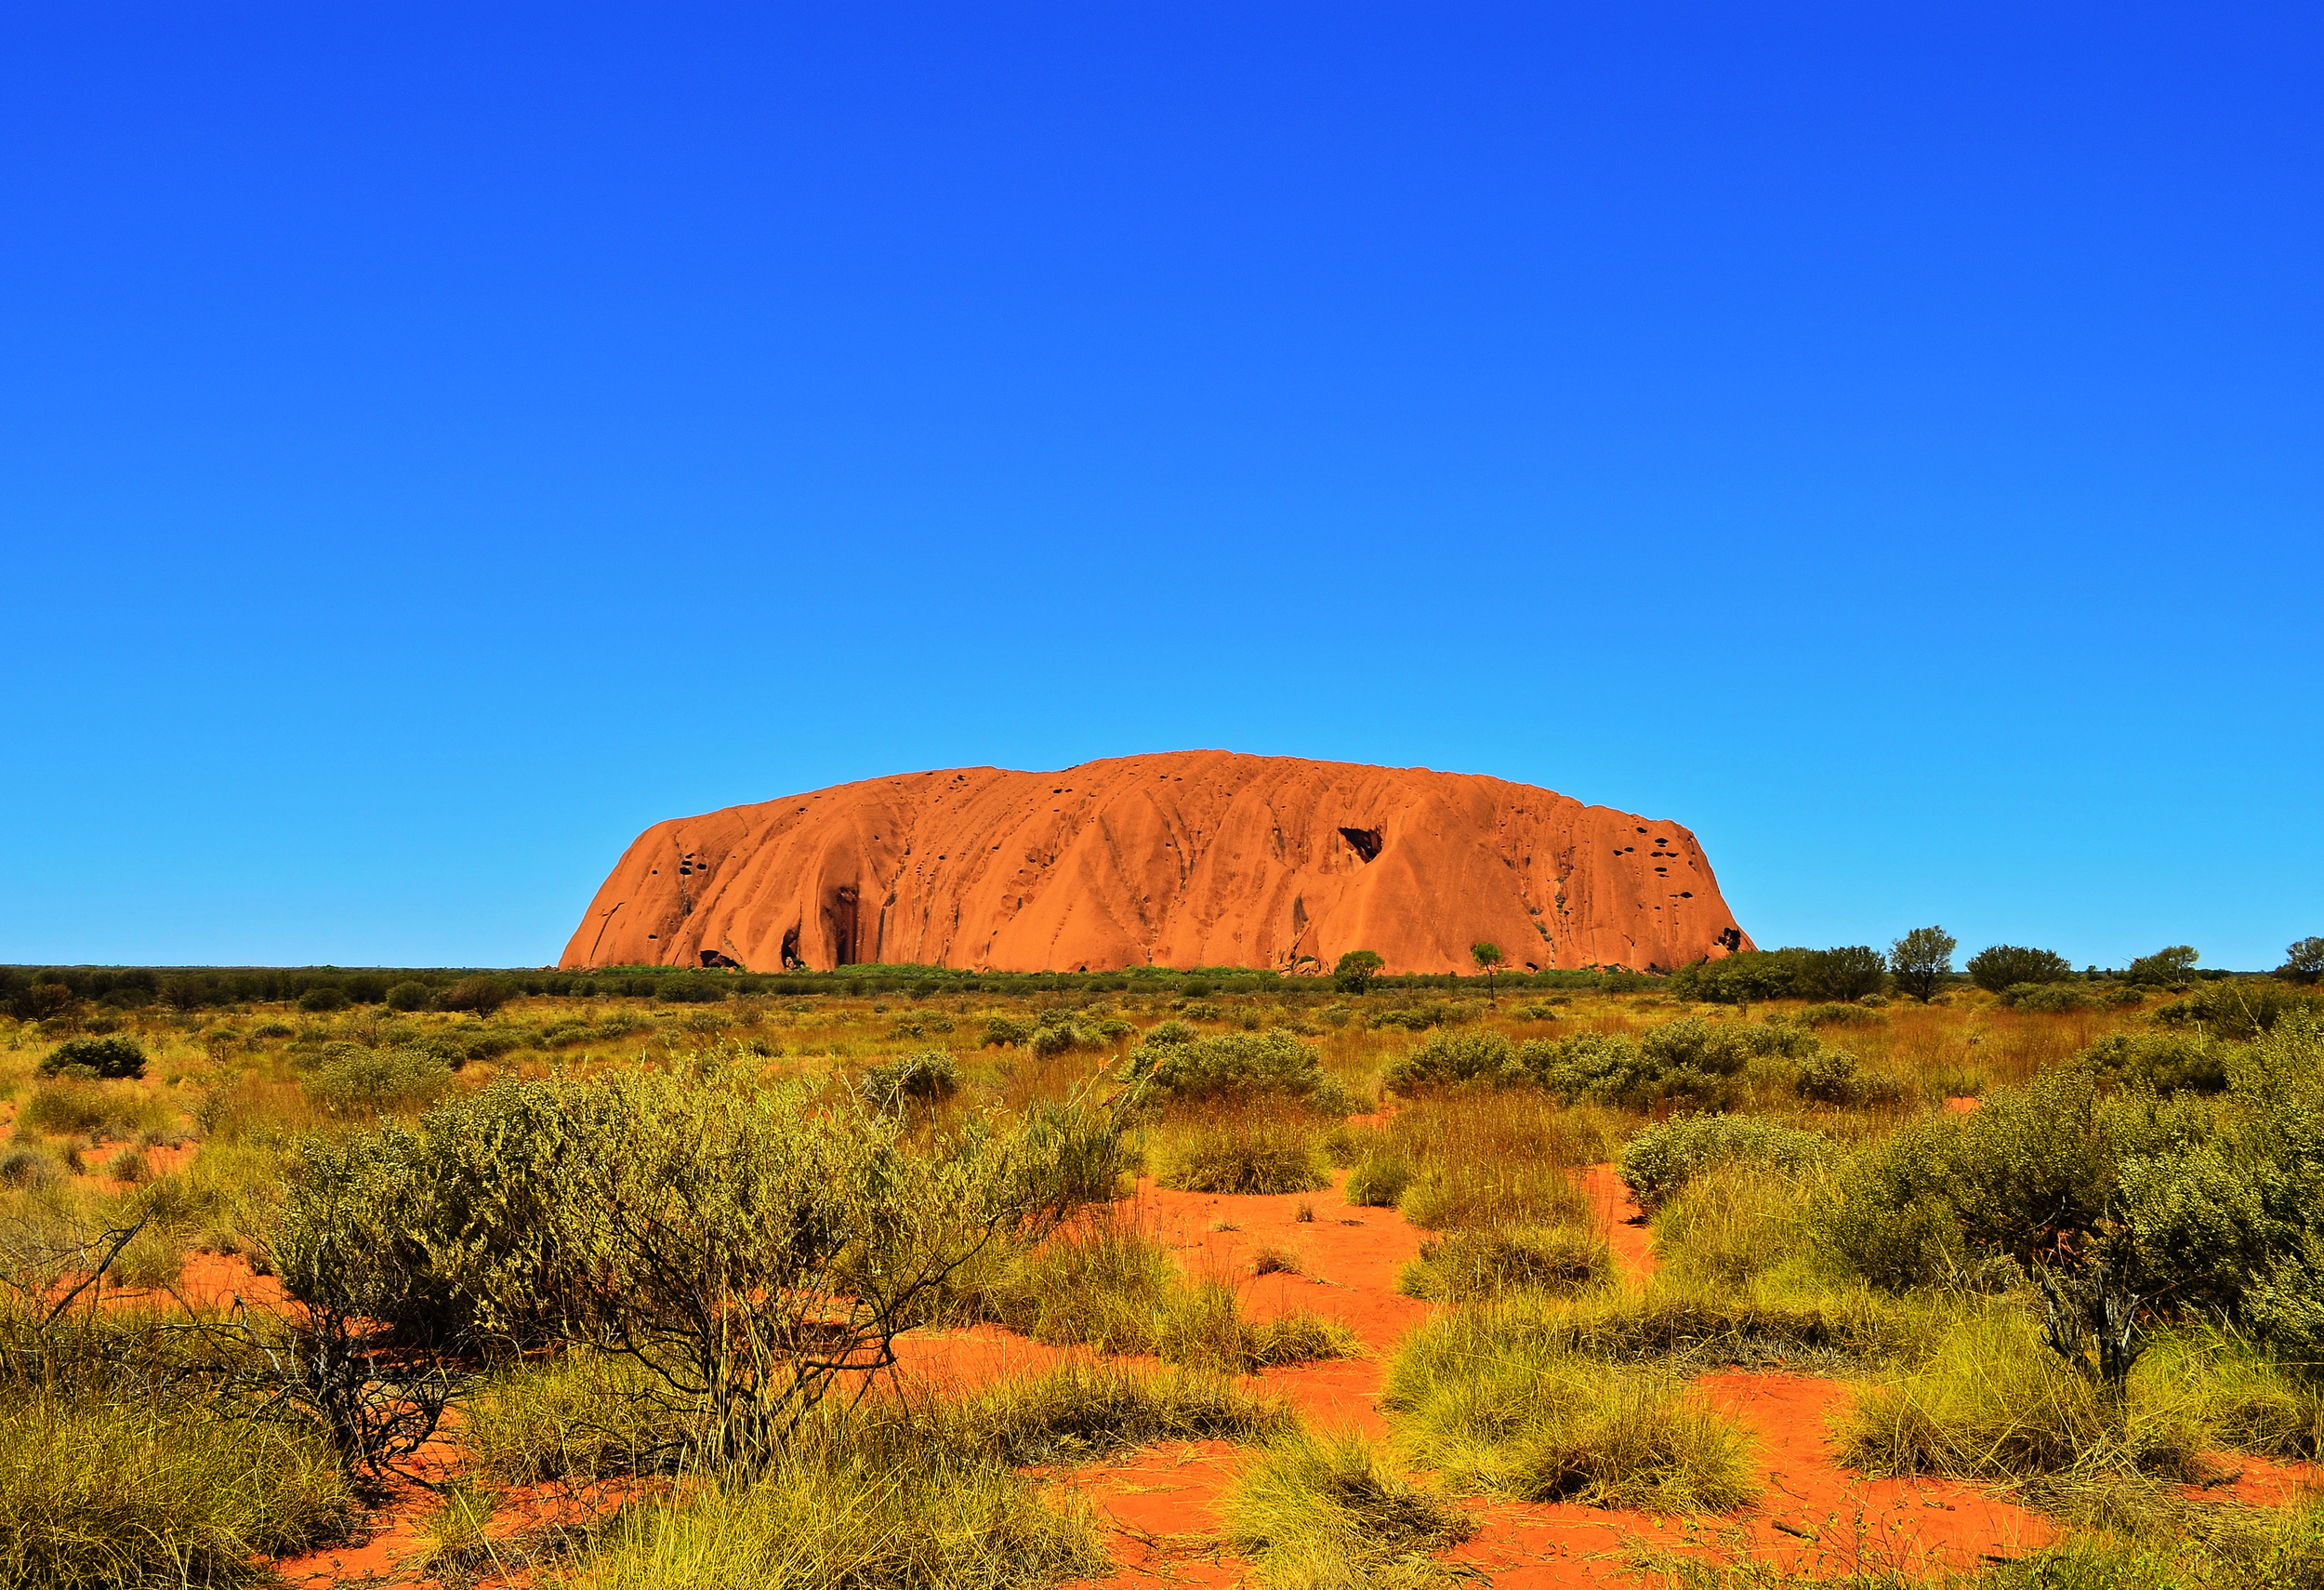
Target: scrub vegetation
x=277, y=1247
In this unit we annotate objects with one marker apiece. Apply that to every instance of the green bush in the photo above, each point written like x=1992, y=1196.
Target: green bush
x=1833, y=1076
x=1989, y=1401
x=1734, y=1222
x=357, y=1081
x=2203, y=1205
x=2164, y=1062
x=410, y=995
x=1104, y=1284
x=1690, y=1061
x=2007, y=965
x=924, y=1078
x=480, y=995
x=1236, y=1066
x=1002, y=1032
x=323, y=997
x=1448, y=1058
x=1839, y=1016
x=115, y=1057
x=510, y=1215
x=1666, y=1155
x=1751, y=976
x=2054, y=997
x=2234, y=1008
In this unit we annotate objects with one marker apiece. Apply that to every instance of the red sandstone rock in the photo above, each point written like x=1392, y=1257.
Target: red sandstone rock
x=1189, y=858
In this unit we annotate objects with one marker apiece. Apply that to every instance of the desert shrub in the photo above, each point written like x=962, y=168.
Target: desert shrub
x=2233, y=1008
x=1834, y=1076
x=1746, y=976
x=410, y=995
x=128, y=1165
x=322, y=998
x=1496, y=1404
x=1316, y=1511
x=1005, y=1032
x=124, y=1490
x=1100, y=1282
x=2007, y=965
x=1173, y=1031
x=1479, y=1266
x=1666, y=1155
x=512, y=1214
x=924, y=1078
x=2164, y=1062
x=357, y=1081
x=2197, y=1204
x=482, y=995
x=95, y=1110
x=1690, y=1061
x=115, y=1057
x=2050, y=998
x=1839, y=1016
x=1241, y=1149
x=1237, y=1066
x=1446, y=1058
x=1056, y=1037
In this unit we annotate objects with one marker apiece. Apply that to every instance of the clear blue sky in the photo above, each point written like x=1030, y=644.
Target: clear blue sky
x=436, y=443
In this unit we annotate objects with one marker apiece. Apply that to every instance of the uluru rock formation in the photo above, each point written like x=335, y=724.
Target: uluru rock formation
x=1188, y=858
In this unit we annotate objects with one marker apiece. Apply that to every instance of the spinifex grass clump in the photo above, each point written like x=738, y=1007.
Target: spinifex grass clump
x=1497, y=1399
x=1736, y=1223
x=1478, y=1160
x=1320, y=1512
x=1989, y=1402
x=1252, y=1148
x=880, y=1500
x=1479, y=1266
x=101, y=1489
x=1105, y=1284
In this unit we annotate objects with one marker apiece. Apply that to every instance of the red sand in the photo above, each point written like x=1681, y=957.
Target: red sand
x=1190, y=858
x=1158, y=1505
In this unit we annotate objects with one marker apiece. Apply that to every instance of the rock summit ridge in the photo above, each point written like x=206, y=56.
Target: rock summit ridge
x=1185, y=858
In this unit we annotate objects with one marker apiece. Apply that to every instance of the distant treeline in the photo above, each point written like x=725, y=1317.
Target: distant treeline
x=35, y=991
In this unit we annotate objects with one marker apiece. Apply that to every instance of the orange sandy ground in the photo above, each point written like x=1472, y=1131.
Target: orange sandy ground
x=1159, y=1503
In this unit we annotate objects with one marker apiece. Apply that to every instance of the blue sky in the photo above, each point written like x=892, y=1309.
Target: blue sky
x=436, y=443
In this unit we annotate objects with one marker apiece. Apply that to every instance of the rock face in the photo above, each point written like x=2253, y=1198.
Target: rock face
x=1190, y=858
